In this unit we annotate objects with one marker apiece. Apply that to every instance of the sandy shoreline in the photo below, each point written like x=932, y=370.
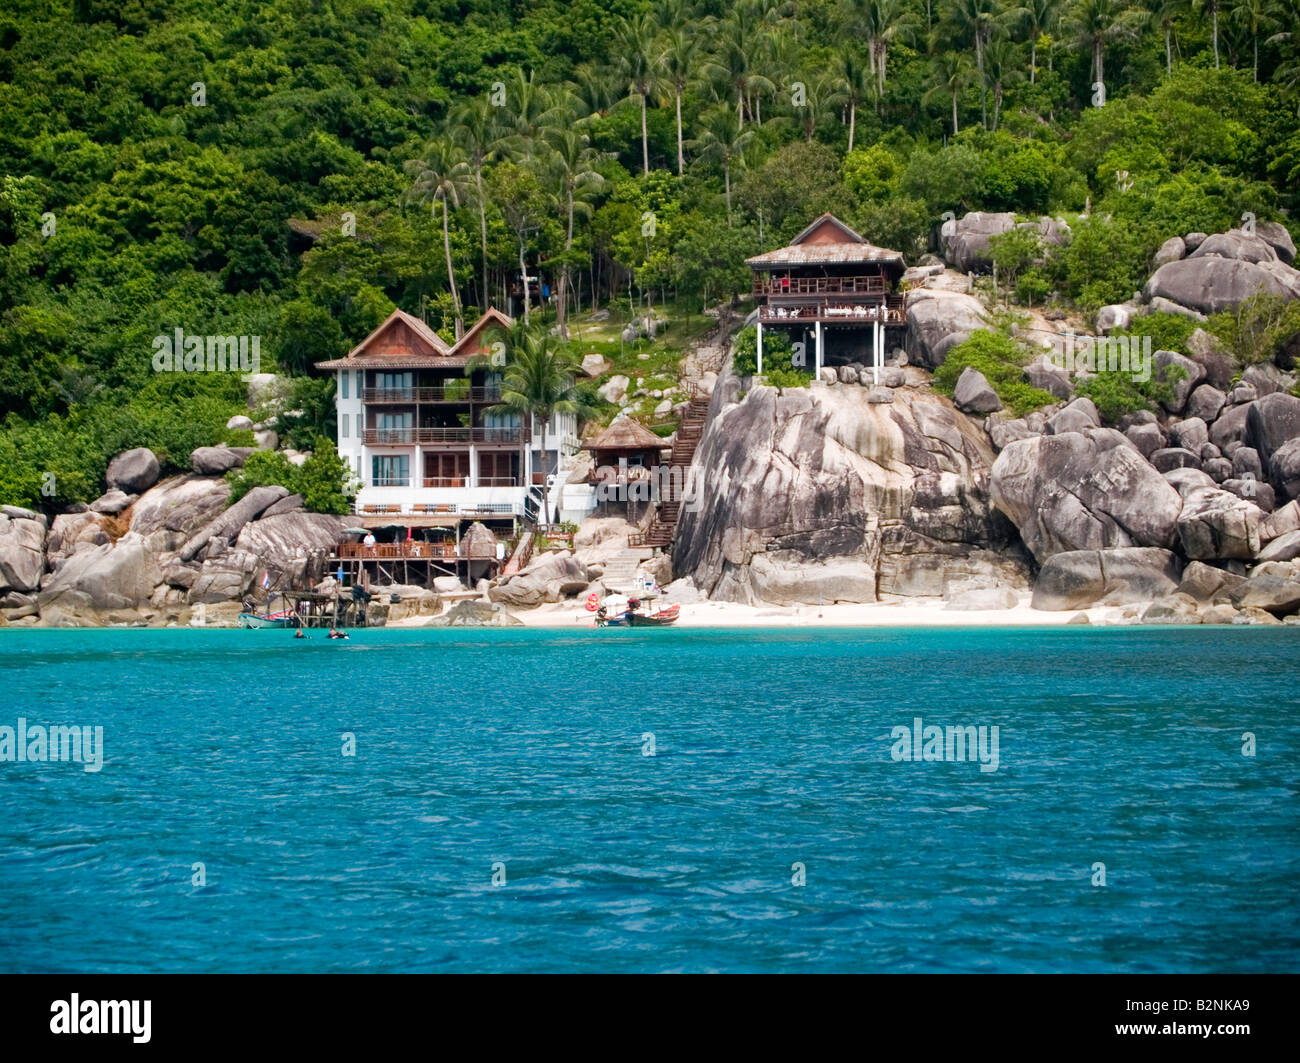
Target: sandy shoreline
x=877, y=614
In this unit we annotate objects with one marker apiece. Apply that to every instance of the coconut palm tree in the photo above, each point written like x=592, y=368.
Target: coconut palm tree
x=638, y=61
x=854, y=83
x=1210, y=7
x=1094, y=23
x=732, y=68
x=539, y=378
x=1002, y=68
x=880, y=23
x=476, y=130
x=1255, y=17
x=977, y=21
x=442, y=174
x=573, y=163
x=1165, y=13
x=950, y=73
x=819, y=98
x=1039, y=18
x=721, y=140
x=679, y=59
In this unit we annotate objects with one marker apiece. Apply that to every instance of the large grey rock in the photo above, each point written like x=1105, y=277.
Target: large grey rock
x=615, y=388
x=133, y=471
x=71, y=533
x=1206, y=583
x=112, y=502
x=1280, y=521
x=1278, y=238
x=226, y=578
x=1208, y=351
x=807, y=488
x=1170, y=251
x=1148, y=438
x=1191, y=433
x=965, y=241
x=1285, y=547
x=475, y=614
x=1211, y=284
x=973, y=394
x=1181, y=373
x=938, y=320
x=1236, y=244
x=296, y=541
x=1206, y=402
x=1077, y=579
x=1275, y=594
x=120, y=575
x=1047, y=377
x=217, y=461
x=1215, y=523
x=1186, y=480
x=1068, y=420
x=22, y=553
x=227, y=525
x=1170, y=458
x=1284, y=467
x=291, y=504
x=1259, y=492
x=179, y=506
x=1270, y=422
x=1073, y=492
x=1230, y=426
x=1115, y=316
x=547, y=579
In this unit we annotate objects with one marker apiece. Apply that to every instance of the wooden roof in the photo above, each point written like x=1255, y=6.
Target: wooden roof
x=626, y=434
x=406, y=342
x=827, y=241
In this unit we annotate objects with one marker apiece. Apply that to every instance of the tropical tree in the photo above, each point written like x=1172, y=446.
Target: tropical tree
x=539, y=377
x=1255, y=17
x=475, y=128
x=680, y=56
x=1166, y=13
x=977, y=21
x=854, y=83
x=950, y=73
x=881, y=22
x=1095, y=23
x=1211, y=8
x=1001, y=67
x=442, y=175
x=638, y=61
x=573, y=163
x=732, y=68
x=1040, y=18
x=721, y=140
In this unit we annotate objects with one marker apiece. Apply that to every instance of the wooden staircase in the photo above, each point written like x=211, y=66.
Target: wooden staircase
x=685, y=443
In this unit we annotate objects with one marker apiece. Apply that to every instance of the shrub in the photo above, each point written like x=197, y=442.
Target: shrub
x=1258, y=328
x=1002, y=361
x=321, y=480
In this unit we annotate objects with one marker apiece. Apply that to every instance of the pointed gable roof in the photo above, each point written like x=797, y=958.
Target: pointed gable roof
x=827, y=241
x=406, y=342
x=625, y=434
x=471, y=343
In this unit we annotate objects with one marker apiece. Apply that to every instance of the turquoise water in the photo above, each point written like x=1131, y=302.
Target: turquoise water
x=525, y=748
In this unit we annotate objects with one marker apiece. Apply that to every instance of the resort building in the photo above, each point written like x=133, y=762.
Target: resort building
x=418, y=428
x=834, y=293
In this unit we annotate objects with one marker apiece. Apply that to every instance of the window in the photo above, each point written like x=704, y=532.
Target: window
x=393, y=380
x=391, y=470
x=343, y=427
x=343, y=384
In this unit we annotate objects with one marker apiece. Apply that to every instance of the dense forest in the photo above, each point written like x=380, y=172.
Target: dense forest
x=294, y=169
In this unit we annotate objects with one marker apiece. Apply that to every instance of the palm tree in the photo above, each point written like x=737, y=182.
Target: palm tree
x=732, y=67
x=475, y=129
x=442, y=173
x=573, y=163
x=950, y=73
x=1096, y=22
x=639, y=61
x=977, y=21
x=1166, y=13
x=1255, y=17
x=722, y=141
x=1039, y=18
x=881, y=22
x=854, y=83
x=596, y=89
x=539, y=376
x=819, y=97
x=681, y=51
x=1002, y=67
x=1211, y=6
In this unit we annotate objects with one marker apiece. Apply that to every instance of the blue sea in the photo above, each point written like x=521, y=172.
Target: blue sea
x=663, y=800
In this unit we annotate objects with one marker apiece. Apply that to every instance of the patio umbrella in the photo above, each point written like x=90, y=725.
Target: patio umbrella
x=354, y=531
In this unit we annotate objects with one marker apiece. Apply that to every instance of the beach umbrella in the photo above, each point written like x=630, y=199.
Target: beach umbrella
x=354, y=531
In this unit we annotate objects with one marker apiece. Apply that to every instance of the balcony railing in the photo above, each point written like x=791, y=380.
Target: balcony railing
x=440, y=551
x=404, y=436
x=463, y=481
x=430, y=395
x=462, y=509
x=766, y=284
x=890, y=313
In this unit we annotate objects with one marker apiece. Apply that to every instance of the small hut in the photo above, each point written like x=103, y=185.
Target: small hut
x=626, y=444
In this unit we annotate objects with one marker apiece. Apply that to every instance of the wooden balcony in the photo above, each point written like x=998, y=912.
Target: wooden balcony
x=414, y=550
x=432, y=396
x=780, y=285
x=890, y=312
x=463, y=481
x=466, y=436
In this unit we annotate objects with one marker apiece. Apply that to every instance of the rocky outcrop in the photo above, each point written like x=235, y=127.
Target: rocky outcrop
x=1212, y=284
x=22, y=549
x=179, y=505
x=549, y=578
x=226, y=526
x=217, y=461
x=118, y=575
x=133, y=471
x=818, y=494
x=974, y=394
x=1217, y=524
x=1077, y=579
x=296, y=542
x=1077, y=491
x=964, y=241
x=475, y=614
x=937, y=321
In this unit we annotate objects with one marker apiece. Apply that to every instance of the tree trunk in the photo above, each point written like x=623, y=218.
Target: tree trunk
x=1033, y=59
x=681, y=158
x=979, y=62
x=561, y=295
x=523, y=275
x=451, y=277
x=1216, y=36
x=1169, y=54
x=853, y=120
x=954, y=114
x=482, y=221
x=726, y=180
x=645, y=142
